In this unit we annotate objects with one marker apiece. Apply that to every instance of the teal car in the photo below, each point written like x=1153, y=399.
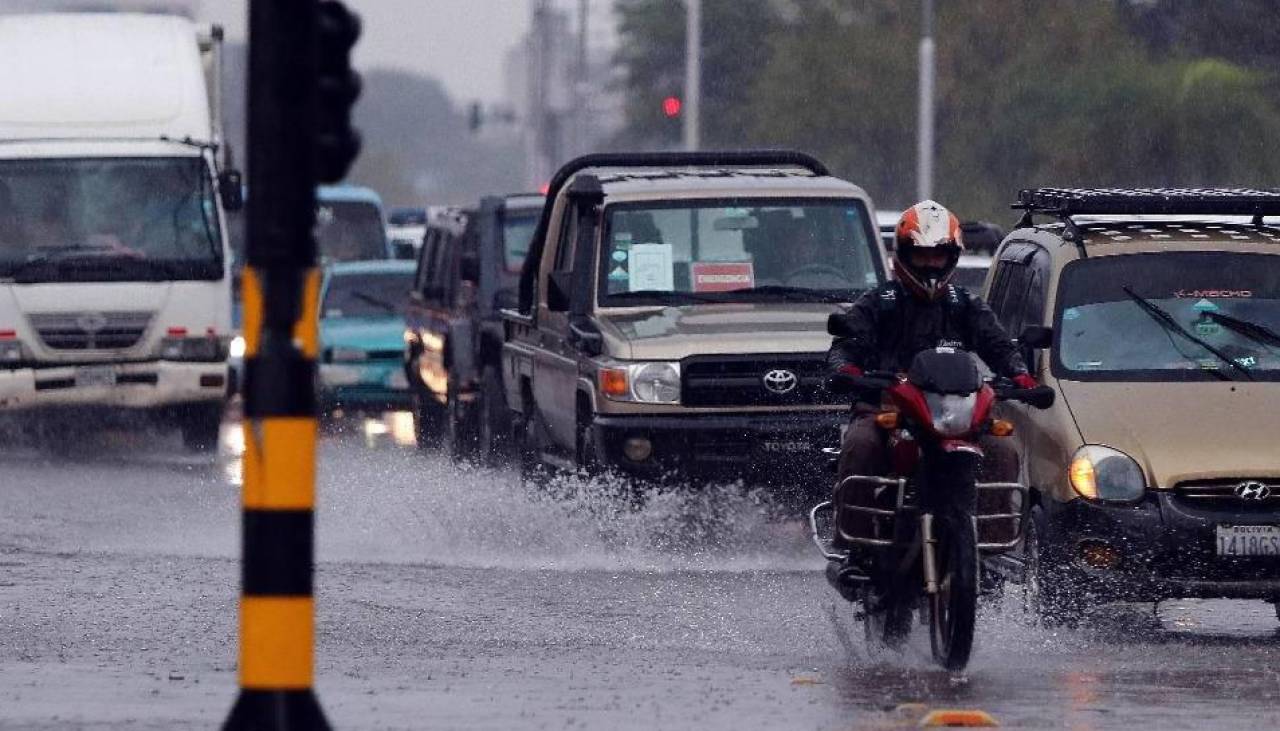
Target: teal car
x=362, y=336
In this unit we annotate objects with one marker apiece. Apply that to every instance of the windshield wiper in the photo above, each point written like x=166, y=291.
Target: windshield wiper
x=798, y=294
x=1165, y=320
x=375, y=301
x=1251, y=330
x=664, y=294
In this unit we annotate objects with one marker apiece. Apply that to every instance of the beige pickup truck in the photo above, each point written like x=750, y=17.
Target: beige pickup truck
x=672, y=316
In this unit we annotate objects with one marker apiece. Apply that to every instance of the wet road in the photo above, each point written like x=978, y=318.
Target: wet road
x=449, y=598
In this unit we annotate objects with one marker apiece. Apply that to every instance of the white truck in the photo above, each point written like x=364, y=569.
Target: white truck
x=115, y=296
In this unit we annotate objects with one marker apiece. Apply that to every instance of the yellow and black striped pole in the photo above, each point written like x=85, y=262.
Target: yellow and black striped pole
x=300, y=93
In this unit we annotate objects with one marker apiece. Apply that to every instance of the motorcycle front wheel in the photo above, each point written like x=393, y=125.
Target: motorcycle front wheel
x=954, y=608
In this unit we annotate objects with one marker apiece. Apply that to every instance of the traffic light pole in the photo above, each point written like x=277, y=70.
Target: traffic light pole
x=298, y=136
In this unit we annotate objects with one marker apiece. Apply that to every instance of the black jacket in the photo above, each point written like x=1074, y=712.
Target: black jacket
x=887, y=326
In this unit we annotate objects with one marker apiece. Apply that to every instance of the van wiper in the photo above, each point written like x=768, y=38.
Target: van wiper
x=1165, y=320
x=665, y=294
x=1251, y=330
x=798, y=294
x=375, y=301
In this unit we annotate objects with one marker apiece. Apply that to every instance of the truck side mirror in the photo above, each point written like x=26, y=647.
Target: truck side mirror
x=1036, y=337
x=231, y=190
x=558, y=288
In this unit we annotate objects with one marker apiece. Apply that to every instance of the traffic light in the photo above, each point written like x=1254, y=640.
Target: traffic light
x=337, y=88
x=671, y=106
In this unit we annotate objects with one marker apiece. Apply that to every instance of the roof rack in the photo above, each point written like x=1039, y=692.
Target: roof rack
x=640, y=160
x=1063, y=203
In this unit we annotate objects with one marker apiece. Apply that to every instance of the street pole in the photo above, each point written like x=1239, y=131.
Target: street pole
x=693, y=75
x=924, y=125
x=301, y=90
x=581, y=92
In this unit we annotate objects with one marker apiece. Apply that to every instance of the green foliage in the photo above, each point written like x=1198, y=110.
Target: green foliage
x=1029, y=93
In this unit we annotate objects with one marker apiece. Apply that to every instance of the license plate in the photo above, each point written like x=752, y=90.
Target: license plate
x=1249, y=540
x=95, y=376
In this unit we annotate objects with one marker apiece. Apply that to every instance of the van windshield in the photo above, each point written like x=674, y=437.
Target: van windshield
x=350, y=231
x=1223, y=317
x=737, y=250
x=117, y=219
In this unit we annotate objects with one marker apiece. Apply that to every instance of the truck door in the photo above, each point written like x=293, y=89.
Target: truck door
x=555, y=365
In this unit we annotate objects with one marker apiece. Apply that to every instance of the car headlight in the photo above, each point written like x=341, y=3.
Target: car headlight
x=650, y=383
x=202, y=349
x=952, y=414
x=1103, y=473
x=347, y=355
x=236, y=348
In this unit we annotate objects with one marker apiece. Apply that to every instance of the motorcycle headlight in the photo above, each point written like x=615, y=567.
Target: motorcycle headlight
x=952, y=414
x=1103, y=473
x=650, y=383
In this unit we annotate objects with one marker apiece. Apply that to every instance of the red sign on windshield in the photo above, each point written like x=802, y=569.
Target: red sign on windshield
x=722, y=276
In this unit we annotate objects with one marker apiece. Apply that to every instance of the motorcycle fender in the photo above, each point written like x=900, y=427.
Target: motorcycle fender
x=950, y=446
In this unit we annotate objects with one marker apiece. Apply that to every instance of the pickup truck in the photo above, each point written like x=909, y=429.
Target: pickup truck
x=468, y=269
x=671, y=319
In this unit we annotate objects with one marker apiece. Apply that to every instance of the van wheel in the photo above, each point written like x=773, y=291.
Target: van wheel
x=199, y=426
x=1051, y=591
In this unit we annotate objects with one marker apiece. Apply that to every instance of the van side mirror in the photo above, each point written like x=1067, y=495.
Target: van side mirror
x=1036, y=337
x=559, y=285
x=231, y=189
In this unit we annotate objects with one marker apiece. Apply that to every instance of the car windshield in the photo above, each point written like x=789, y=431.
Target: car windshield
x=737, y=250
x=1223, y=308
x=517, y=232
x=350, y=231
x=366, y=294
x=108, y=219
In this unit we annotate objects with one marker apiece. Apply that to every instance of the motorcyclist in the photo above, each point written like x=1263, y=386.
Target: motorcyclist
x=886, y=327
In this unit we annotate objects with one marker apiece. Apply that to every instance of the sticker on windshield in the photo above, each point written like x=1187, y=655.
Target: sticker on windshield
x=722, y=276
x=622, y=237
x=1204, y=306
x=619, y=256
x=1214, y=293
x=1089, y=365
x=618, y=274
x=1071, y=313
x=652, y=268
x=1247, y=361
x=1207, y=328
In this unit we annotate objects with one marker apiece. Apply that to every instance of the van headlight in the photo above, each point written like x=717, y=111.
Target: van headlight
x=650, y=383
x=1103, y=473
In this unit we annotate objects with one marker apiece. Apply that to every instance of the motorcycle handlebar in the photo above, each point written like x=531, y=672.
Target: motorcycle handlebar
x=1040, y=397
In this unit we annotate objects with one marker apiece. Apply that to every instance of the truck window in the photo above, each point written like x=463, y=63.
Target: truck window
x=108, y=219
x=350, y=231
x=818, y=250
x=517, y=233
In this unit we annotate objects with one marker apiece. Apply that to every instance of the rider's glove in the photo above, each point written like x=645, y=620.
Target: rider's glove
x=850, y=369
x=1025, y=380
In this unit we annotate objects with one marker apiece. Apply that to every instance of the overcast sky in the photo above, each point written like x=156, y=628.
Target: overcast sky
x=461, y=42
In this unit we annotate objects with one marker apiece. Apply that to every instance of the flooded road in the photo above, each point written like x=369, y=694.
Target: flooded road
x=449, y=597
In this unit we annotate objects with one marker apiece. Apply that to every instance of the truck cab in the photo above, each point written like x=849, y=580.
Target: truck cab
x=468, y=271
x=115, y=294
x=672, y=316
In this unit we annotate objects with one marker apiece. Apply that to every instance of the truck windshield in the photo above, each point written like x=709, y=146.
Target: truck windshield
x=1223, y=317
x=737, y=250
x=350, y=231
x=112, y=219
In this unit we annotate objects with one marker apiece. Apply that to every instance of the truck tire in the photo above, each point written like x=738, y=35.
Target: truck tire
x=427, y=424
x=199, y=426
x=461, y=428
x=494, y=427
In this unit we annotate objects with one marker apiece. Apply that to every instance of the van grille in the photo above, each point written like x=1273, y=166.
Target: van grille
x=739, y=380
x=90, y=330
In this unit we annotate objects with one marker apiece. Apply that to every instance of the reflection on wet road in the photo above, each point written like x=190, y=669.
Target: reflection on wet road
x=449, y=596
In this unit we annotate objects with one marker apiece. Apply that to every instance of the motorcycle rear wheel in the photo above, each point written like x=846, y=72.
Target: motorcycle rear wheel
x=953, y=610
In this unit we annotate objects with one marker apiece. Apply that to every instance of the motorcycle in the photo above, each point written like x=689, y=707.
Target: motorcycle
x=913, y=535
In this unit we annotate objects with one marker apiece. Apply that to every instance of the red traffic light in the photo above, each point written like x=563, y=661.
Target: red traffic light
x=671, y=106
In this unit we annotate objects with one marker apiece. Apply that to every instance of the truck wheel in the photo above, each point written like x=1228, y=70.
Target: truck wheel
x=461, y=429
x=525, y=432
x=494, y=429
x=426, y=420
x=200, y=425
x=1051, y=591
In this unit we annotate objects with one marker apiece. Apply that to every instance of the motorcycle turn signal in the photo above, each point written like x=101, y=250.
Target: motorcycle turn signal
x=1001, y=428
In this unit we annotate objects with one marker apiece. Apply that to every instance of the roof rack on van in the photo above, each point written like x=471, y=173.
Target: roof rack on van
x=1063, y=203
x=709, y=158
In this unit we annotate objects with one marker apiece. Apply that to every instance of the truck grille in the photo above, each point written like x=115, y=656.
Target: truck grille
x=1240, y=494
x=90, y=330
x=740, y=380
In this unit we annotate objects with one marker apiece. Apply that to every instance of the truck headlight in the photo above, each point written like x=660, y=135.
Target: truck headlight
x=236, y=348
x=650, y=383
x=200, y=349
x=1103, y=473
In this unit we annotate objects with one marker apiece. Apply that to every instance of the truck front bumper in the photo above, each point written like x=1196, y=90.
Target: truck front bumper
x=141, y=386
x=776, y=449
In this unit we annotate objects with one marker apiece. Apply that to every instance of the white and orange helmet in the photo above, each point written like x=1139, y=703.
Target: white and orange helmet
x=926, y=225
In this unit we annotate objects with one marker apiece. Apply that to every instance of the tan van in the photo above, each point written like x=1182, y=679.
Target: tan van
x=1157, y=318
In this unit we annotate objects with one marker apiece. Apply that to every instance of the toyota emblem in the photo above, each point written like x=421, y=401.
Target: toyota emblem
x=780, y=381
x=91, y=322
x=1253, y=490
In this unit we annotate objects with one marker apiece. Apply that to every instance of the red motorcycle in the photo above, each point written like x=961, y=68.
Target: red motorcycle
x=912, y=536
